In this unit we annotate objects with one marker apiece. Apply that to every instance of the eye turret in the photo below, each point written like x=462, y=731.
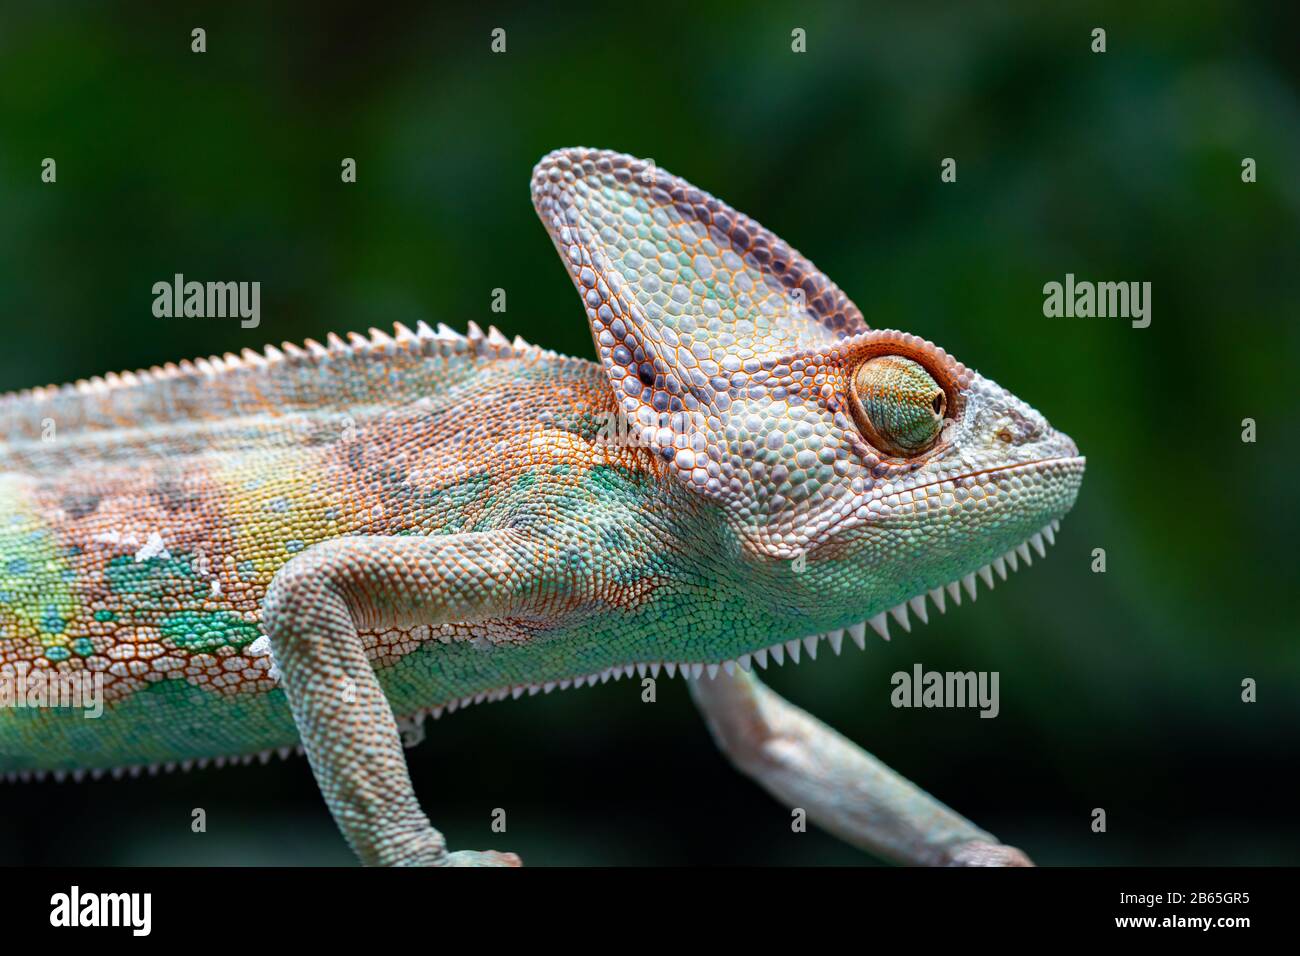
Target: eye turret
x=898, y=405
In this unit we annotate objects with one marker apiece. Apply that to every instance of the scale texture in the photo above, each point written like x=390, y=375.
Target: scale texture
x=320, y=545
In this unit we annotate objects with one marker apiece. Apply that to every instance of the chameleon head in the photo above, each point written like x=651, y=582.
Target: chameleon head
x=869, y=462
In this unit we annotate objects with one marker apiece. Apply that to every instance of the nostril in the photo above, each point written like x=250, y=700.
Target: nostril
x=1017, y=428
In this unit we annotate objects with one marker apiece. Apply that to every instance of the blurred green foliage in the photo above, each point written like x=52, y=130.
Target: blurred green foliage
x=1119, y=690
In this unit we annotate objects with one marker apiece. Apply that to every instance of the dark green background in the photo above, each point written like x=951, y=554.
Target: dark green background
x=1119, y=690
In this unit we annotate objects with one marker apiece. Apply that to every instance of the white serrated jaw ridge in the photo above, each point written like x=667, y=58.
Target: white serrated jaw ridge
x=794, y=648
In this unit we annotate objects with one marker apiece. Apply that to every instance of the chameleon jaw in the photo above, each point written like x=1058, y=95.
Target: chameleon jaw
x=999, y=567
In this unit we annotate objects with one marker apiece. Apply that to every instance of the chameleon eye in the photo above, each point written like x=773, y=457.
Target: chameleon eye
x=899, y=406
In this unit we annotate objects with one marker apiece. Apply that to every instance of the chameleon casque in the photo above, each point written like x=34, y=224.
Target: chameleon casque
x=320, y=546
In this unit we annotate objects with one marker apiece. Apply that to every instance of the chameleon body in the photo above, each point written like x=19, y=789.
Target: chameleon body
x=323, y=545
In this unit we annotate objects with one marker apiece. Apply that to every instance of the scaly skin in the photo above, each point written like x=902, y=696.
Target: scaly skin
x=297, y=546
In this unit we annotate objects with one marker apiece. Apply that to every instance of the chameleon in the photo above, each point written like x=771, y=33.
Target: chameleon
x=315, y=548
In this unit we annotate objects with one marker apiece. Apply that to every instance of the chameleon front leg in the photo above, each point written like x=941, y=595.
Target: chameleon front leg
x=312, y=613
x=804, y=763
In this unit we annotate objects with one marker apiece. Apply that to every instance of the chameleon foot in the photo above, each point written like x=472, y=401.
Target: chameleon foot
x=430, y=850
x=979, y=853
x=845, y=790
x=343, y=716
x=482, y=858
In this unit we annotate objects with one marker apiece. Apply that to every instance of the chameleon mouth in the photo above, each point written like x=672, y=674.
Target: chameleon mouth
x=1068, y=463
